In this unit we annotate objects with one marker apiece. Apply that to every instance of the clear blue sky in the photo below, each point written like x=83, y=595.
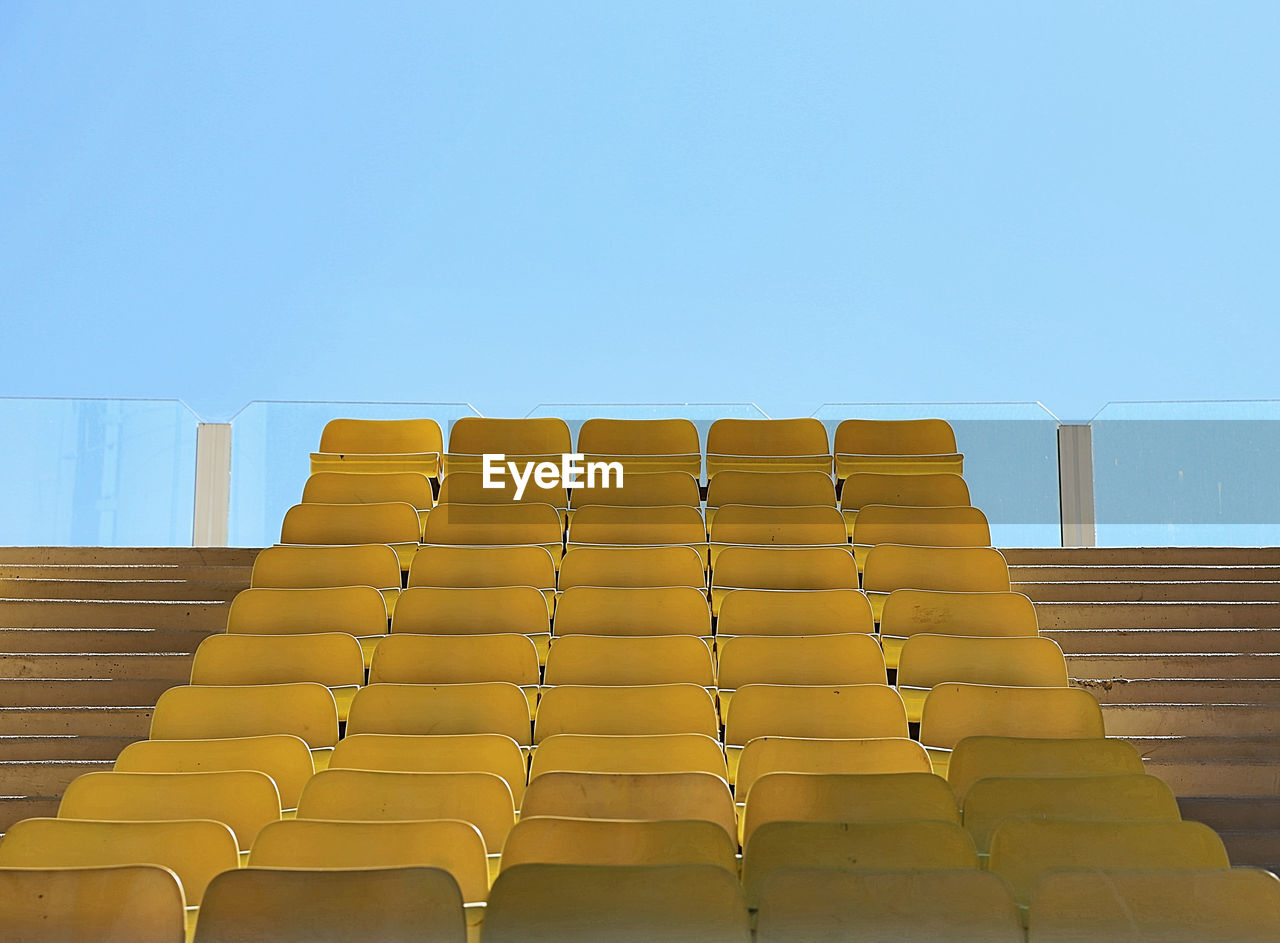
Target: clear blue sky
x=789, y=203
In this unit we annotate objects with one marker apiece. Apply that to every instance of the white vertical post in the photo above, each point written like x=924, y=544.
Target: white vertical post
x=213, y=484
x=1075, y=485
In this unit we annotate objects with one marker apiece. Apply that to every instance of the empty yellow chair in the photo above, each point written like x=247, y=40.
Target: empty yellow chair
x=632, y=567
x=393, y=523
x=622, y=710
x=962, y=526
x=615, y=660
x=453, y=846
x=909, y=612
x=474, y=610
x=976, y=758
x=427, y=709
x=380, y=445
x=954, y=711
x=518, y=440
x=658, y=753
x=336, y=906
x=832, y=906
x=769, y=489
x=896, y=447
x=641, y=490
x=1124, y=798
x=926, y=660
x=667, y=796
x=203, y=712
x=462, y=567
x=643, y=445
x=356, y=610
x=750, y=526
x=564, y=903
x=767, y=445
x=949, y=569
x=1241, y=906
x=362, y=795
x=469, y=488
x=458, y=659
x=840, y=797
x=296, y=567
x=602, y=525
x=917, y=491
x=196, y=850
x=631, y=611
x=333, y=659
x=442, y=753
x=801, y=612
x=496, y=525
x=1025, y=850
x=337, y=487
x=556, y=840
x=243, y=800
x=807, y=659
x=765, y=755
x=781, y=568
x=284, y=758
x=924, y=845
x=129, y=904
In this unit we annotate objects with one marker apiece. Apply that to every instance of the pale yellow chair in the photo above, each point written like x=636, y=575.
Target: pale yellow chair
x=897, y=447
x=622, y=660
x=767, y=445
x=439, y=753
x=979, y=757
x=891, y=567
x=464, y=567
x=429, y=709
x=913, y=490
x=808, y=659
x=393, y=523
x=126, y=904
x=379, y=445
x=764, y=755
x=909, y=612
x=962, y=526
x=458, y=659
x=621, y=710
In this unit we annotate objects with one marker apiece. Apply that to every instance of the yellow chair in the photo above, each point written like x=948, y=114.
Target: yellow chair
x=333, y=659
x=379, y=445
x=337, y=487
x=799, y=612
x=468, y=488
x=643, y=446
x=764, y=755
x=374, y=565
x=196, y=850
x=909, y=612
x=632, y=567
x=622, y=710
x=204, y=712
x=923, y=845
x=476, y=567
x=1125, y=798
x=494, y=525
x=129, y=904
x=557, y=840
x=284, y=758
x=950, y=569
x=458, y=659
x=664, y=796
x=896, y=447
x=614, y=660
x=442, y=753
x=335, y=906
x=429, y=709
x=918, y=491
x=453, y=846
x=474, y=610
x=976, y=758
x=356, y=610
x=927, y=660
x=564, y=903
x=825, y=906
x=840, y=797
x=641, y=490
x=953, y=711
x=807, y=659
x=393, y=523
x=1025, y=850
x=920, y=527
x=1240, y=905
x=769, y=489
x=363, y=795
x=243, y=800
x=749, y=526
x=631, y=611
x=767, y=445
x=518, y=440
x=781, y=568
x=659, y=753
x=602, y=525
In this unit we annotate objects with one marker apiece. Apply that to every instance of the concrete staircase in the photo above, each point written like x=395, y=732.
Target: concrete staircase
x=1182, y=648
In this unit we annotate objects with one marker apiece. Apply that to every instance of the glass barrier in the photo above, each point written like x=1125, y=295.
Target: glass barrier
x=1187, y=474
x=702, y=415
x=97, y=472
x=1010, y=461
x=271, y=446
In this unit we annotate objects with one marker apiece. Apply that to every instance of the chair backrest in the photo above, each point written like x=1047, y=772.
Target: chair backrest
x=848, y=712
x=976, y=758
x=955, y=526
x=804, y=612
x=784, y=568
x=771, y=489
x=558, y=840
x=494, y=525
x=475, y=435
x=467, y=487
x=455, y=659
x=606, y=524
x=1023, y=661
x=422, y=709
x=656, y=610
x=471, y=610
x=199, y=712
x=335, y=487
x=381, y=436
x=618, y=660
x=356, y=610
x=127, y=904
x=393, y=905
x=283, y=757
x=388, y=522
x=661, y=753
x=766, y=438
x=644, y=489
x=441, y=753
x=910, y=612
x=333, y=659
x=562, y=903
x=373, y=565
x=483, y=566
x=639, y=437
x=622, y=710
x=448, y=844
x=921, y=491
x=894, y=437
x=243, y=800
x=810, y=525
x=632, y=567
x=809, y=659
x=951, y=569
x=953, y=711
x=765, y=755
x=196, y=850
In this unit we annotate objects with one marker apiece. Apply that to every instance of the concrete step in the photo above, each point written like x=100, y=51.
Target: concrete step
x=1218, y=777
x=1181, y=691
x=1141, y=573
x=1257, y=848
x=82, y=692
x=1164, y=640
x=44, y=777
x=65, y=747
x=130, y=721
x=117, y=573
x=139, y=590
x=58, y=641
x=1143, y=556
x=112, y=614
x=16, y=808
x=1158, y=615
x=1147, y=591
x=115, y=666
x=1233, y=813
x=1129, y=720
x=129, y=556
x=1261, y=748
x=1180, y=665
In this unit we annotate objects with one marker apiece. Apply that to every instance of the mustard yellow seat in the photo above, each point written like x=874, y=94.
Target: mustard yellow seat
x=435, y=753
x=370, y=565
x=749, y=526
x=641, y=490
x=201, y=712
x=633, y=611
x=623, y=660
x=781, y=568
x=474, y=610
x=913, y=490
x=336, y=487
x=767, y=445
x=961, y=526
x=632, y=567
x=896, y=446
x=391, y=522
x=625, y=709
x=908, y=612
x=463, y=567
x=795, y=612
x=643, y=445
x=769, y=489
x=379, y=445
x=635, y=753
x=560, y=840
x=950, y=569
x=807, y=659
x=518, y=440
x=426, y=709
x=496, y=525
x=126, y=904
x=603, y=525
x=979, y=757
x=458, y=659
x=763, y=755
x=467, y=487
